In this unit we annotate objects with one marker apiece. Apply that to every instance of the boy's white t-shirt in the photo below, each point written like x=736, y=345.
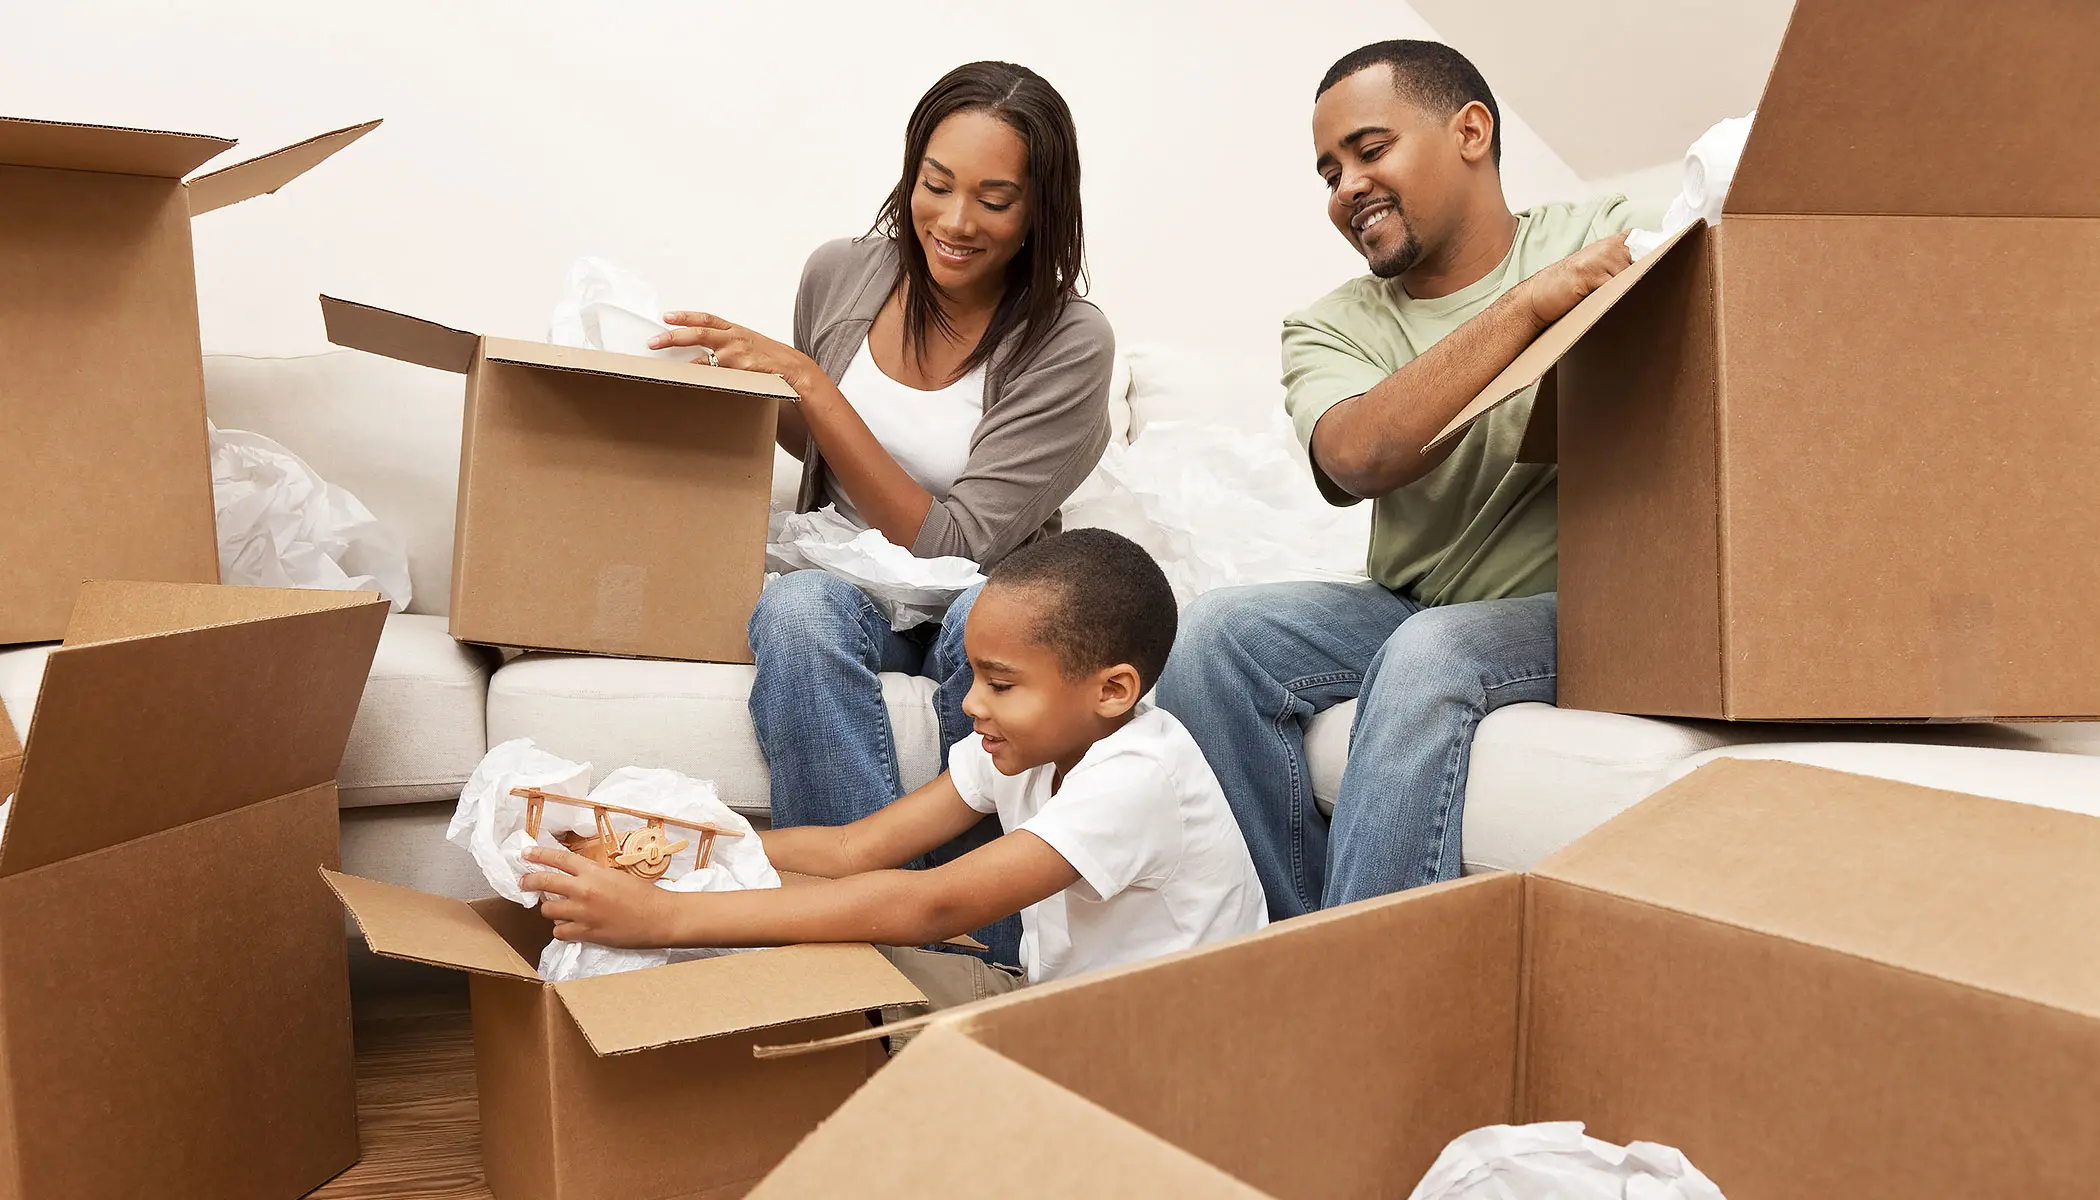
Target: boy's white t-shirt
x=1162, y=865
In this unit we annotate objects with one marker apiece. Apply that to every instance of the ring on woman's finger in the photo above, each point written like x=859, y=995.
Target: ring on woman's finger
x=713, y=360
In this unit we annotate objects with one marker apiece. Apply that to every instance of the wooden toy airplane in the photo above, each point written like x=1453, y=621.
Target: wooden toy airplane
x=644, y=853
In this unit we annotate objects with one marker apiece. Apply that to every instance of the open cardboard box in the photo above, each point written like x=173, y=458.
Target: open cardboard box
x=101, y=371
x=608, y=503
x=1832, y=458
x=1814, y=984
x=639, y=1085
x=174, y=1002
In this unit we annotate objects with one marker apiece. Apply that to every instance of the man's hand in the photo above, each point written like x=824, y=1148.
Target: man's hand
x=1560, y=287
x=590, y=903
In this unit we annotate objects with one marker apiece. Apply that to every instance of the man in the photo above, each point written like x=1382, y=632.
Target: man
x=1458, y=616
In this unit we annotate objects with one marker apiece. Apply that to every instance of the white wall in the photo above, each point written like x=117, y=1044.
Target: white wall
x=710, y=146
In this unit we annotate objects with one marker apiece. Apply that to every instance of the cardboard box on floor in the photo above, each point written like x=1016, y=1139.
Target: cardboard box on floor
x=639, y=1085
x=108, y=471
x=608, y=503
x=174, y=1002
x=1831, y=458
x=1814, y=984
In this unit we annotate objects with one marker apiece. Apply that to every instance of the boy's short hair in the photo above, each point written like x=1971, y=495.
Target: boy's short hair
x=1105, y=601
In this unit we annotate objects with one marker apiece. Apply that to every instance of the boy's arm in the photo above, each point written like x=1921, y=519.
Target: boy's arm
x=1371, y=445
x=591, y=903
x=900, y=831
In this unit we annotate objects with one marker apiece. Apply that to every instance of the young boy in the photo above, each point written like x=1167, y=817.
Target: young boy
x=1118, y=844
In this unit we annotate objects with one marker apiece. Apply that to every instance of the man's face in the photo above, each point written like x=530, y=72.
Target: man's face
x=1389, y=167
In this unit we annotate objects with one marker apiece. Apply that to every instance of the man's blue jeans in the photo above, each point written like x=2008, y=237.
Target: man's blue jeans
x=820, y=645
x=1252, y=665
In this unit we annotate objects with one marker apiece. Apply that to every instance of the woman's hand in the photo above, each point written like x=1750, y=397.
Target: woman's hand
x=590, y=903
x=735, y=346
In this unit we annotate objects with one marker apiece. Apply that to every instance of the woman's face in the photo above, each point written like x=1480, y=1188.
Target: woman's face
x=970, y=207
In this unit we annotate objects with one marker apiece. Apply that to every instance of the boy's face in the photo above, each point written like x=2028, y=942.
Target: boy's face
x=1025, y=708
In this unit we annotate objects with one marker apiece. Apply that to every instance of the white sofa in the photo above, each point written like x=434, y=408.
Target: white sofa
x=1540, y=776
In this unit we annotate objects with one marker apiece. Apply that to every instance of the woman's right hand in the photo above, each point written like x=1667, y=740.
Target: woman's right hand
x=732, y=345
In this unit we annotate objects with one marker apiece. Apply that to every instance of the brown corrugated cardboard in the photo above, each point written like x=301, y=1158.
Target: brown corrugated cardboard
x=1814, y=984
x=1828, y=459
x=108, y=471
x=640, y=1085
x=174, y=1003
x=608, y=503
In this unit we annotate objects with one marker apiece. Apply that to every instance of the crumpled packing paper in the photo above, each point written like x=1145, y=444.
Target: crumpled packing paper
x=1554, y=1160
x=282, y=525
x=1709, y=169
x=909, y=590
x=489, y=824
x=606, y=307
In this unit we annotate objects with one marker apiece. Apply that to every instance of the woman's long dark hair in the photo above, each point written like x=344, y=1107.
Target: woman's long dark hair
x=1050, y=268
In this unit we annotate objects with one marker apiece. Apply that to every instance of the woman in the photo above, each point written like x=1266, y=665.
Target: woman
x=954, y=393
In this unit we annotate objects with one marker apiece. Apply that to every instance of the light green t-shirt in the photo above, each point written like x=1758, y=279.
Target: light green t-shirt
x=1482, y=525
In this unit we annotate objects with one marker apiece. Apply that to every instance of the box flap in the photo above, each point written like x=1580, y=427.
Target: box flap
x=1558, y=338
x=409, y=339
x=139, y=735
x=690, y=1001
x=1892, y=106
x=1050, y=1141
x=1987, y=893
x=111, y=610
x=67, y=146
x=10, y=758
x=635, y=366
x=403, y=923
x=258, y=176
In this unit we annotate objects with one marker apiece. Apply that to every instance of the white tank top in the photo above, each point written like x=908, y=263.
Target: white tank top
x=928, y=433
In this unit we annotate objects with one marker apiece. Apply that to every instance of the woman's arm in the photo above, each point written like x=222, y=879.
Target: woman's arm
x=1037, y=444
x=591, y=903
x=886, y=496
x=894, y=835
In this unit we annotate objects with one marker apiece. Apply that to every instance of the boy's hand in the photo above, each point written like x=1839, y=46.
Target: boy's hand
x=590, y=903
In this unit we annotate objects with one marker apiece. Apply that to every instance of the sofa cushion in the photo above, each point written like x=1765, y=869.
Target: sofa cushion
x=2052, y=780
x=691, y=717
x=419, y=727
x=1542, y=776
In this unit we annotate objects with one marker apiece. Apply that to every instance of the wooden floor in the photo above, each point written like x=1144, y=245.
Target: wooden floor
x=415, y=1099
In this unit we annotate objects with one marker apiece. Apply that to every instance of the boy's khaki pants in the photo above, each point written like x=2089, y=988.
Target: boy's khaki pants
x=947, y=980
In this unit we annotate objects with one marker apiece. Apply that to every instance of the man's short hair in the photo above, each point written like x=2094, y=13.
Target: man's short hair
x=1103, y=601
x=1431, y=74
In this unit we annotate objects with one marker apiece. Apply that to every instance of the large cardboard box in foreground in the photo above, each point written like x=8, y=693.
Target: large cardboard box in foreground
x=608, y=503
x=1832, y=458
x=108, y=465
x=639, y=1085
x=174, y=1001
x=1815, y=985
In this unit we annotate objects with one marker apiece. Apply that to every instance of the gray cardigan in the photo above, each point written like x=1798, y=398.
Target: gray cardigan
x=1042, y=433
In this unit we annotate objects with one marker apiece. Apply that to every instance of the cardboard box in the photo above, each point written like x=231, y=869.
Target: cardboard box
x=174, y=1003
x=1814, y=984
x=101, y=371
x=1831, y=458
x=608, y=503
x=639, y=1085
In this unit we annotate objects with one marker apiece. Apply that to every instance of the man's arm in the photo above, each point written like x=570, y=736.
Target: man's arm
x=591, y=903
x=1371, y=445
x=890, y=837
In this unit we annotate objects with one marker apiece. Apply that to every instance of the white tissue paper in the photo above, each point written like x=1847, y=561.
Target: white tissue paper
x=1709, y=167
x=490, y=824
x=605, y=307
x=1219, y=506
x=282, y=525
x=1555, y=1161
x=910, y=591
